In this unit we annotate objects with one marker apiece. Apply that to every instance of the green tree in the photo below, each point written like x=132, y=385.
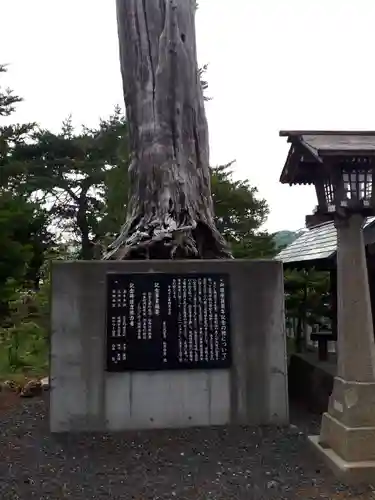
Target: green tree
x=239, y=214
x=307, y=301
x=10, y=135
x=23, y=223
x=8, y=99
x=69, y=172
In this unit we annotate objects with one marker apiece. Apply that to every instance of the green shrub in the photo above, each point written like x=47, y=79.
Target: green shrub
x=24, y=338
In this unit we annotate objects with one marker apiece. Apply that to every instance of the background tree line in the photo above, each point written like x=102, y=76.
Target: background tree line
x=64, y=195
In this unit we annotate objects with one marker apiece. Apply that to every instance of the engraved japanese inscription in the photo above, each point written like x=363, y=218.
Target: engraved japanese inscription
x=163, y=321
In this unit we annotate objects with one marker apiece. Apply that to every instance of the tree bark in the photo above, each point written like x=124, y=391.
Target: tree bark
x=170, y=210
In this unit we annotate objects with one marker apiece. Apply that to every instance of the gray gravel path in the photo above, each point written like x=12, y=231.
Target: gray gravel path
x=201, y=464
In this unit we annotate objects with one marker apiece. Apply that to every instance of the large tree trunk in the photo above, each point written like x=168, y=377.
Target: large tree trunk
x=170, y=211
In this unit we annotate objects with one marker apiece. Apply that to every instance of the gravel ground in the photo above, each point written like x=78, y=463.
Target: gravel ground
x=201, y=464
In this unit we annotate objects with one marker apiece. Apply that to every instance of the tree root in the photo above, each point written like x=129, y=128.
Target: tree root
x=165, y=240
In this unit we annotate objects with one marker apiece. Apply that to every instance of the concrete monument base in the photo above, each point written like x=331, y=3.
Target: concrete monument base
x=347, y=472
x=85, y=396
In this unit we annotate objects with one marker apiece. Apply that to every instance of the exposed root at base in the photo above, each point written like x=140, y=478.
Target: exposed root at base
x=167, y=241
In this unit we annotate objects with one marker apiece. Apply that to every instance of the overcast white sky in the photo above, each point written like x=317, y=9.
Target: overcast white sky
x=273, y=65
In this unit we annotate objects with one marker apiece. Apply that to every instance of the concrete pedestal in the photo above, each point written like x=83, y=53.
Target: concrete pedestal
x=85, y=397
x=347, y=437
x=347, y=472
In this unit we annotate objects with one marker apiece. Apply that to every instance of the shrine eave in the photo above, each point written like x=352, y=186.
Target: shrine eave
x=309, y=149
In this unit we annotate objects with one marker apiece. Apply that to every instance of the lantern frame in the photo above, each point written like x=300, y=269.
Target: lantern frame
x=341, y=166
x=346, y=187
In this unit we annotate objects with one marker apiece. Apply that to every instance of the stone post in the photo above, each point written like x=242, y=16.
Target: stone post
x=347, y=437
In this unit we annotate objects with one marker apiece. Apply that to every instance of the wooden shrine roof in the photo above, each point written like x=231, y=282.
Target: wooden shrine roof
x=309, y=147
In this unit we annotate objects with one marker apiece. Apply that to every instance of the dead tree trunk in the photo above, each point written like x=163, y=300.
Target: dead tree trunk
x=170, y=210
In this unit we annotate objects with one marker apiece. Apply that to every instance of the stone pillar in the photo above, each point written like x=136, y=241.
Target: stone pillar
x=333, y=298
x=347, y=437
x=371, y=278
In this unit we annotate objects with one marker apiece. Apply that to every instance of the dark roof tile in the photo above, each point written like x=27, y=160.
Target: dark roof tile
x=334, y=142
x=317, y=243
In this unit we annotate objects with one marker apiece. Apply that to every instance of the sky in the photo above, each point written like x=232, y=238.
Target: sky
x=273, y=65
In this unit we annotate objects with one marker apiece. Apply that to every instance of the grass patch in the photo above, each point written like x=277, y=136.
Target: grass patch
x=23, y=352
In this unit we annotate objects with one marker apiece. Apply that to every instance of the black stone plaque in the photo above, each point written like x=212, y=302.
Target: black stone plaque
x=158, y=321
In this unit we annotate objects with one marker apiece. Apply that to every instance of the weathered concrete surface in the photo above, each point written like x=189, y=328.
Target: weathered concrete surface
x=84, y=397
